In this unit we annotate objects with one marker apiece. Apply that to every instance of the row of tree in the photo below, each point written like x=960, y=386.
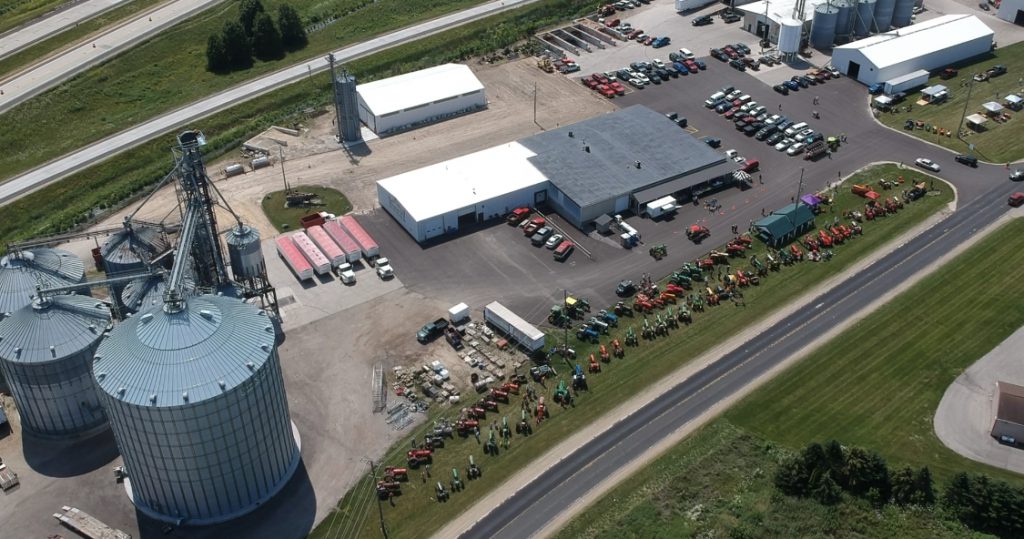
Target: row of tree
x=826, y=472
x=255, y=34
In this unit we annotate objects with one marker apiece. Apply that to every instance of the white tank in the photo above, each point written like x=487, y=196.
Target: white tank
x=245, y=252
x=197, y=404
x=789, y=36
x=23, y=270
x=46, y=351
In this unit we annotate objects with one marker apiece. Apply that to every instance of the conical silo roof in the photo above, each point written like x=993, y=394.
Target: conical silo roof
x=23, y=270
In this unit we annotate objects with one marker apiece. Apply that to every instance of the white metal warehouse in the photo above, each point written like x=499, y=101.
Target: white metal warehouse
x=928, y=45
x=604, y=165
x=1011, y=11
x=430, y=95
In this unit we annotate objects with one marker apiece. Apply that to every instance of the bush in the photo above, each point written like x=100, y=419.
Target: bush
x=266, y=41
x=293, y=34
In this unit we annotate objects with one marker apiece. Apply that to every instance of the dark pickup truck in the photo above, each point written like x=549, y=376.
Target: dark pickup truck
x=430, y=331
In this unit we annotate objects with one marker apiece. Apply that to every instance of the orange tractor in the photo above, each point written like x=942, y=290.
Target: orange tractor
x=604, y=354
x=617, y=349
x=594, y=365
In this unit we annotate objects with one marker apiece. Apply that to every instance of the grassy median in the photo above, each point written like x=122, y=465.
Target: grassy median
x=415, y=514
x=876, y=386
x=15, y=13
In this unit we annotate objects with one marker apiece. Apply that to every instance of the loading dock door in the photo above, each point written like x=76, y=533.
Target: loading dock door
x=1019, y=19
x=853, y=71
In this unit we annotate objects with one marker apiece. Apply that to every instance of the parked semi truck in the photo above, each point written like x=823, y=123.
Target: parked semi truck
x=906, y=82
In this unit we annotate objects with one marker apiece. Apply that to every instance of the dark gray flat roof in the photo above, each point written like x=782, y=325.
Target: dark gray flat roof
x=617, y=141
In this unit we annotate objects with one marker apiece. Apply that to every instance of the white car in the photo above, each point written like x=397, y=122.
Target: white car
x=641, y=77
x=750, y=105
x=772, y=119
x=658, y=63
x=734, y=94
x=927, y=163
x=796, y=148
x=384, y=270
x=784, y=143
x=801, y=136
x=687, y=54
x=637, y=83
x=347, y=275
x=554, y=240
x=735, y=156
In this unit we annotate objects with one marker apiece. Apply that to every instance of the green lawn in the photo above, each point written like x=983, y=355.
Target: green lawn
x=1001, y=142
x=878, y=385
x=34, y=52
x=286, y=218
x=416, y=514
x=169, y=71
x=17, y=12
x=718, y=483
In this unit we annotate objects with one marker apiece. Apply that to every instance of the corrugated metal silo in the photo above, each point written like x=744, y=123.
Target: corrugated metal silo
x=864, y=23
x=789, y=35
x=883, y=14
x=143, y=293
x=197, y=403
x=823, y=29
x=129, y=249
x=23, y=270
x=902, y=13
x=245, y=252
x=844, y=22
x=46, y=351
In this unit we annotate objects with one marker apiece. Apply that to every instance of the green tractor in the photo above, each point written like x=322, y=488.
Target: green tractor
x=684, y=315
x=658, y=251
x=630, y=338
x=759, y=266
x=562, y=394
x=456, y=483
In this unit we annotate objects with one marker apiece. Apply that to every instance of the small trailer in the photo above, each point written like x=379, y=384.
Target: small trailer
x=352, y=251
x=370, y=248
x=293, y=258
x=316, y=258
x=661, y=207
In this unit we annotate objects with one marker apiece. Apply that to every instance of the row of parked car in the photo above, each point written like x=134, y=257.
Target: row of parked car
x=642, y=73
x=754, y=120
x=604, y=85
x=626, y=31
x=540, y=233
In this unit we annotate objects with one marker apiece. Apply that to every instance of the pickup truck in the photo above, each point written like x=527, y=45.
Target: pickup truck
x=432, y=330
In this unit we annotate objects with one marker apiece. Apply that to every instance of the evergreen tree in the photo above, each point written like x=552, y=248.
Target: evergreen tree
x=248, y=11
x=924, y=487
x=266, y=40
x=836, y=458
x=903, y=486
x=827, y=491
x=293, y=34
x=792, y=478
x=217, y=58
x=236, y=44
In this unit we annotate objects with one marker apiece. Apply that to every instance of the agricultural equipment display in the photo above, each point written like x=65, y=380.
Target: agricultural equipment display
x=541, y=372
x=758, y=266
x=499, y=395
x=476, y=412
x=491, y=447
x=489, y=405
x=671, y=320
x=697, y=233
x=558, y=317
x=609, y=318
x=510, y=387
x=586, y=333
x=386, y=489
x=599, y=325
x=456, y=482
x=562, y=395
x=616, y=350
x=542, y=410
x=658, y=251
x=443, y=429
x=474, y=471
x=621, y=309
x=524, y=427
x=604, y=354
x=579, y=380
x=391, y=473
x=419, y=456
x=433, y=442
x=465, y=427
x=440, y=492
x=506, y=433
x=594, y=365
x=630, y=338
x=684, y=315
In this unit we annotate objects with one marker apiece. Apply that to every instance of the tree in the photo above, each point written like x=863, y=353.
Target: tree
x=293, y=34
x=217, y=58
x=827, y=491
x=867, y=471
x=792, y=478
x=924, y=487
x=836, y=458
x=236, y=44
x=903, y=486
x=266, y=40
x=248, y=11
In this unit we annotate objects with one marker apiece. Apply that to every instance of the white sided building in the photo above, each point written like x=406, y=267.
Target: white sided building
x=422, y=97
x=928, y=45
x=1011, y=11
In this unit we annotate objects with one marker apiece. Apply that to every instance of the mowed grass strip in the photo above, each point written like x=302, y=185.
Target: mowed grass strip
x=34, y=53
x=416, y=514
x=1001, y=142
x=718, y=483
x=878, y=384
x=15, y=13
x=168, y=71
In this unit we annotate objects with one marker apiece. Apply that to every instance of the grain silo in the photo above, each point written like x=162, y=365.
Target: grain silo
x=844, y=21
x=195, y=397
x=131, y=249
x=883, y=14
x=23, y=270
x=46, y=351
x=823, y=29
x=244, y=252
x=865, y=18
x=789, y=36
x=140, y=294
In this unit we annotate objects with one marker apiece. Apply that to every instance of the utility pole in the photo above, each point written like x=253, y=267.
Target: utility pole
x=970, y=86
x=280, y=155
x=565, y=329
x=380, y=506
x=535, y=104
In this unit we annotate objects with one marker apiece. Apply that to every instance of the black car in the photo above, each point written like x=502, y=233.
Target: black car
x=808, y=80
x=663, y=74
x=738, y=64
x=675, y=57
x=723, y=107
x=622, y=75
x=719, y=55
x=766, y=132
x=681, y=122
x=968, y=160
x=703, y=20
x=625, y=288
x=775, y=138
x=740, y=124
x=731, y=17
x=654, y=79
x=750, y=130
x=802, y=81
x=781, y=89
x=712, y=141
x=742, y=47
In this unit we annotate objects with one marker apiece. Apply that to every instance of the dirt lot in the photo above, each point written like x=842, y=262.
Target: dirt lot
x=335, y=334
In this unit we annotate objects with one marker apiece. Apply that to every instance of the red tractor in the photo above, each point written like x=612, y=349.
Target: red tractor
x=487, y=404
x=604, y=354
x=735, y=248
x=697, y=233
x=476, y=412
x=594, y=365
x=510, y=387
x=796, y=252
x=392, y=473
x=465, y=427
x=745, y=239
x=419, y=456
x=542, y=410
x=387, y=489
x=617, y=349
x=826, y=240
x=675, y=289
x=810, y=243
x=499, y=395
x=837, y=235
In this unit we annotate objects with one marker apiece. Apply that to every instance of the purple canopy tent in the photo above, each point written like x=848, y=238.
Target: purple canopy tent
x=810, y=200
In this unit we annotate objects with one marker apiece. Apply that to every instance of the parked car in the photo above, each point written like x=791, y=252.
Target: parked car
x=781, y=88
x=701, y=65
x=734, y=94
x=968, y=160
x=636, y=83
x=735, y=156
x=714, y=142
x=731, y=17
x=1016, y=199
x=784, y=143
x=563, y=250
x=541, y=235
x=927, y=164
x=802, y=136
x=1017, y=175
x=737, y=64
x=517, y=216
x=703, y=20
x=791, y=85
x=533, y=225
x=742, y=47
x=618, y=87
x=687, y=53
x=553, y=241
x=775, y=138
x=796, y=148
x=605, y=90
x=802, y=81
x=751, y=165
x=681, y=68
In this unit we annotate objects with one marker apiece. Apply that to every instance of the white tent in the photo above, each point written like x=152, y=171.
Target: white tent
x=1014, y=101
x=992, y=107
x=976, y=122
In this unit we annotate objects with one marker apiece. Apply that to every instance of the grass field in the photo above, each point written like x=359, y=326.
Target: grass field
x=416, y=514
x=718, y=483
x=84, y=196
x=169, y=71
x=17, y=12
x=1002, y=142
x=287, y=218
x=37, y=51
x=876, y=386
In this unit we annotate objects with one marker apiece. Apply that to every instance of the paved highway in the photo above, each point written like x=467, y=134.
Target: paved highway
x=51, y=72
x=120, y=142
x=52, y=23
x=528, y=511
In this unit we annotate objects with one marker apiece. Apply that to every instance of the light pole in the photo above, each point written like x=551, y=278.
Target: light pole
x=970, y=86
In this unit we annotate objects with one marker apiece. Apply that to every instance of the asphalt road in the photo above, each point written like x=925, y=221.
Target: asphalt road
x=100, y=150
x=52, y=23
x=536, y=504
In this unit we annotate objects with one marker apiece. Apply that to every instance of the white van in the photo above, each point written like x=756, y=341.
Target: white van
x=687, y=54
x=715, y=98
x=796, y=128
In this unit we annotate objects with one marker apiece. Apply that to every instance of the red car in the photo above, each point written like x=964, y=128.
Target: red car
x=612, y=23
x=649, y=40
x=533, y=225
x=618, y=87
x=1016, y=199
x=634, y=34
x=590, y=83
x=600, y=78
x=563, y=250
x=606, y=91
x=731, y=112
x=517, y=215
x=692, y=66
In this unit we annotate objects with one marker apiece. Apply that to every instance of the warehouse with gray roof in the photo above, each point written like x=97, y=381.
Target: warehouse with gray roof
x=604, y=165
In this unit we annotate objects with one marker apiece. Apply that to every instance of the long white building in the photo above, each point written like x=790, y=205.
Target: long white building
x=422, y=97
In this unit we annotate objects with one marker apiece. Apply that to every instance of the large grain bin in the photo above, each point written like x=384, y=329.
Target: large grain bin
x=197, y=404
x=140, y=294
x=823, y=29
x=22, y=271
x=245, y=252
x=46, y=351
x=130, y=249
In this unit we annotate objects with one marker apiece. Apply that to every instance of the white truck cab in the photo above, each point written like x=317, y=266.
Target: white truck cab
x=347, y=275
x=384, y=270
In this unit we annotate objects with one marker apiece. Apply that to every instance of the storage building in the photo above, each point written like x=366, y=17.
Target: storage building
x=197, y=403
x=785, y=224
x=422, y=97
x=1009, y=419
x=46, y=351
x=1011, y=11
x=607, y=164
x=928, y=45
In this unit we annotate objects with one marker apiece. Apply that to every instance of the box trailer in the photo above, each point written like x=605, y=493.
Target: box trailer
x=690, y=5
x=316, y=258
x=358, y=233
x=513, y=326
x=293, y=258
x=335, y=255
x=906, y=82
x=352, y=251
x=662, y=206
x=459, y=314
